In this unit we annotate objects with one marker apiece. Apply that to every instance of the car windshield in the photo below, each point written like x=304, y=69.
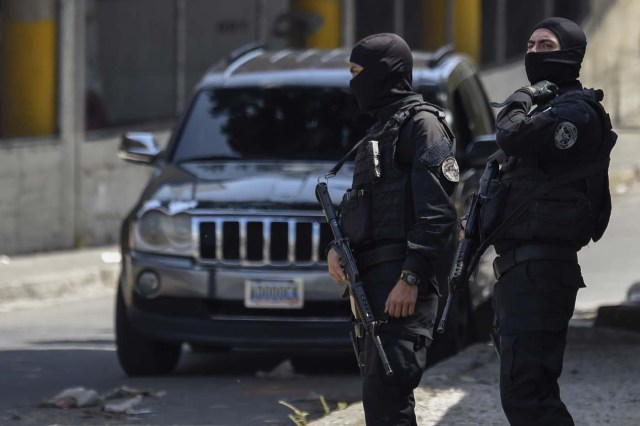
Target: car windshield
x=282, y=123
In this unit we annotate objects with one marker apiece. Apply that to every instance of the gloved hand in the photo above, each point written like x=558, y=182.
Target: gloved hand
x=541, y=92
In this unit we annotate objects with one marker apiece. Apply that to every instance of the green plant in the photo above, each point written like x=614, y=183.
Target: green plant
x=300, y=417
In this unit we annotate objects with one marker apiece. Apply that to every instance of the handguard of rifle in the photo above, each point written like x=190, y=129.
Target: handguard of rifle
x=457, y=270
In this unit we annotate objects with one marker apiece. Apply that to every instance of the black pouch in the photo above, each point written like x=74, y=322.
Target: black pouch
x=355, y=215
x=493, y=206
x=566, y=219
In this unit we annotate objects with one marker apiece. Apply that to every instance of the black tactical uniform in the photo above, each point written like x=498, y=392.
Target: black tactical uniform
x=399, y=215
x=555, y=173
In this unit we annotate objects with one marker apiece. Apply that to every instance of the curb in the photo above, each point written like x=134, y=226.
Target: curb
x=27, y=280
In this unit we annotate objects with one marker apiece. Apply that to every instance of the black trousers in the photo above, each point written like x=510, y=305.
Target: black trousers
x=533, y=303
x=389, y=400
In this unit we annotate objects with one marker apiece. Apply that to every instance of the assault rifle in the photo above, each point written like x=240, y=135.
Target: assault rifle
x=472, y=245
x=342, y=246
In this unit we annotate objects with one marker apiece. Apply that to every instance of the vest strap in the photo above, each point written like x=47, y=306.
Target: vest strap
x=398, y=120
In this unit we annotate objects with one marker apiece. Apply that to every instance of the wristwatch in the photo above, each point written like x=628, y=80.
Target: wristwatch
x=410, y=277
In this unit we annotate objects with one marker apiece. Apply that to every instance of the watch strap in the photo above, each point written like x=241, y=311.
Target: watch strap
x=410, y=278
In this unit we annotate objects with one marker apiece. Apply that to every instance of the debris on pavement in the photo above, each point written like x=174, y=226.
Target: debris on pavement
x=127, y=392
x=118, y=401
x=76, y=397
x=125, y=406
x=282, y=371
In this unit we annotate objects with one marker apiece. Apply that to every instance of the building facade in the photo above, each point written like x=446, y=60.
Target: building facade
x=76, y=74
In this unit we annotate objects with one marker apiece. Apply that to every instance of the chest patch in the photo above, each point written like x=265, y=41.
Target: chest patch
x=566, y=135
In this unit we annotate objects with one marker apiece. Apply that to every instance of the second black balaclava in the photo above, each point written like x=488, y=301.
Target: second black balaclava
x=561, y=66
x=387, y=75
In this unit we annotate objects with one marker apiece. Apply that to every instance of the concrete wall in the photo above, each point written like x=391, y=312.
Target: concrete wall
x=130, y=52
x=32, y=185
x=613, y=59
x=612, y=62
x=30, y=198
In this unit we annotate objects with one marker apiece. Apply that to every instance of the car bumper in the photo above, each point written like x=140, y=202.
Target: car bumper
x=256, y=333
x=205, y=305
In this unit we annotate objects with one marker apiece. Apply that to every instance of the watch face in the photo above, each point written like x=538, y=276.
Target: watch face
x=410, y=278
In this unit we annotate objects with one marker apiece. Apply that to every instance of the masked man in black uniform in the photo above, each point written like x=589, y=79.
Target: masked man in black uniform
x=551, y=199
x=399, y=216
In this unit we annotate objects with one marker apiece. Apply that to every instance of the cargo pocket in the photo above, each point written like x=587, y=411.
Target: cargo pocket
x=507, y=360
x=557, y=284
x=407, y=357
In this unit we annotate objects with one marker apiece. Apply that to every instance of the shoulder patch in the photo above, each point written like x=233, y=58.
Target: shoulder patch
x=566, y=135
x=450, y=169
x=574, y=110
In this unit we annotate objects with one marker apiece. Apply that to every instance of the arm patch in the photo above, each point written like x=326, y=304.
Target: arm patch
x=435, y=154
x=566, y=135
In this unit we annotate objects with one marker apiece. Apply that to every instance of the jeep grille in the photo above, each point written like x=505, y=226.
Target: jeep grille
x=259, y=241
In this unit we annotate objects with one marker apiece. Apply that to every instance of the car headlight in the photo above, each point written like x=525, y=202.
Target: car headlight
x=178, y=230
x=151, y=229
x=158, y=231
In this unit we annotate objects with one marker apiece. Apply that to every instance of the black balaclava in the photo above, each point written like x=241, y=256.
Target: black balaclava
x=561, y=66
x=387, y=74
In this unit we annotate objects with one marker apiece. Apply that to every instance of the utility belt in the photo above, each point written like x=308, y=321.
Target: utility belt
x=513, y=257
x=387, y=253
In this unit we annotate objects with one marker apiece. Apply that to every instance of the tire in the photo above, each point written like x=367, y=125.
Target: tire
x=137, y=354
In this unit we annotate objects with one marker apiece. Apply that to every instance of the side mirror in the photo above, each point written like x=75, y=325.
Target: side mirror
x=480, y=149
x=138, y=147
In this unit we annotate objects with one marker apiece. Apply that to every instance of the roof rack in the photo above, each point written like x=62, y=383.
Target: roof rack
x=440, y=54
x=239, y=52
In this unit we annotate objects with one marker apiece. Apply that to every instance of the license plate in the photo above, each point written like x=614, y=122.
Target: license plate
x=274, y=294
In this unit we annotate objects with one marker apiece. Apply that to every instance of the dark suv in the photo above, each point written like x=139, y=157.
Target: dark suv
x=226, y=246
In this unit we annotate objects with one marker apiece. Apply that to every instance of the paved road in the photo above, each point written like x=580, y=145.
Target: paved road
x=48, y=349
x=610, y=266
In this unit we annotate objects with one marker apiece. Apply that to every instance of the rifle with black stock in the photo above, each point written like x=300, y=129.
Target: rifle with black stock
x=472, y=245
x=342, y=246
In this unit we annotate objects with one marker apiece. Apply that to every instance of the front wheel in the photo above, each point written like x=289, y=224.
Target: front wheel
x=138, y=355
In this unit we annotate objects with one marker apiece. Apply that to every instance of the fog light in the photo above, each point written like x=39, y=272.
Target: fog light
x=148, y=283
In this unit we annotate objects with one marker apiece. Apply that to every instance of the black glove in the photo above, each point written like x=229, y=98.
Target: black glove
x=541, y=92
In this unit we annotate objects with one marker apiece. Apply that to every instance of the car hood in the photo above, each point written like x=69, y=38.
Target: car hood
x=250, y=185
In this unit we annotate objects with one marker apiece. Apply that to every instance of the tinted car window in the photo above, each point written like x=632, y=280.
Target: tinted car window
x=296, y=123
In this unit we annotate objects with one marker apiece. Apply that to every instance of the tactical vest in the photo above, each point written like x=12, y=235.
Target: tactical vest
x=377, y=208
x=569, y=214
